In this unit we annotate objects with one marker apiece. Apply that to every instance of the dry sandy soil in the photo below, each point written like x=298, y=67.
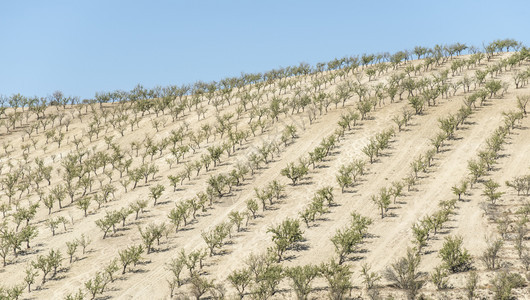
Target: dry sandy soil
x=388, y=238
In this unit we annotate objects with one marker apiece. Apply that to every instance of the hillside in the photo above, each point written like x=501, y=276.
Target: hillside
x=171, y=169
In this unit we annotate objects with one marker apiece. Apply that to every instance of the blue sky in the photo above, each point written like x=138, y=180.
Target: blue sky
x=81, y=47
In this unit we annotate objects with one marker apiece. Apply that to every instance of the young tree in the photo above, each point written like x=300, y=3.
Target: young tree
x=42, y=263
x=71, y=247
x=29, y=278
x=370, y=279
x=252, y=207
x=460, y=189
x=138, y=206
x=236, y=218
x=179, y=214
x=285, y=235
x=176, y=265
x=338, y=278
x=149, y=234
x=301, y=277
x=504, y=283
x=490, y=191
x=109, y=221
x=382, y=201
x=471, y=285
x=439, y=277
x=295, y=173
x=215, y=237
x=199, y=285
x=240, y=279
x=396, y=190
x=371, y=151
x=345, y=242
x=112, y=268
x=404, y=274
x=490, y=257
x=83, y=204
x=130, y=255
x=96, y=285
x=455, y=257
x=156, y=191
x=84, y=242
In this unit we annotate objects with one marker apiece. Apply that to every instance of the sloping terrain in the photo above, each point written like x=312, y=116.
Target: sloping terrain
x=197, y=159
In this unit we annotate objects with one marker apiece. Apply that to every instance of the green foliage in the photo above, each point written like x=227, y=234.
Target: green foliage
x=199, y=285
x=295, y=173
x=454, y=256
x=471, y=285
x=83, y=204
x=215, y=238
x=179, y=214
x=109, y=221
x=97, y=284
x=490, y=191
x=460, y=189
x=404, y=274
x=301, y=277
x=520, y=184
x=345, y=242
x=285, y=235
x=155, y=192
x=252, y=207
x=504, y=283
x=236, y=218
x=491, y=254
x=175, y=266
x=338, y=278
x=71, y=247
x=47, y=263
x=130, y=255
x=417, y=103
x=151, y=233
x=382, y=200
x=439, y=277
x=30, y=274
x=240, y=279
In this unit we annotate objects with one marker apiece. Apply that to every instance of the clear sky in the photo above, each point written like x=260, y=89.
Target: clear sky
x=81, y=47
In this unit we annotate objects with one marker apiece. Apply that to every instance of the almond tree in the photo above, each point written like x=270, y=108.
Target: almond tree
x=5, y=247
x=252, y=207
x=301, y=277
x=29, y=278
x=460, y=189
x=236, y=218
x=240, y=279
x=490, y=257
x=71, y=247
x=455, y=257
x=285, y=235
x=83, y=204
x=84, y=242
x=175, y=266
x=345, y=242
x=130, y=255
x=404, y=274
x=109, y=221
x=338, y=278
x=155, y=192
x=490, y=191
x=138, y=206
x=179, y=214
x=97, y=284
x=295, y=173
x=382, y=201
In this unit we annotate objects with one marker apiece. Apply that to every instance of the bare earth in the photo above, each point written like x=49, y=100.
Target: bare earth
x=388, y=238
